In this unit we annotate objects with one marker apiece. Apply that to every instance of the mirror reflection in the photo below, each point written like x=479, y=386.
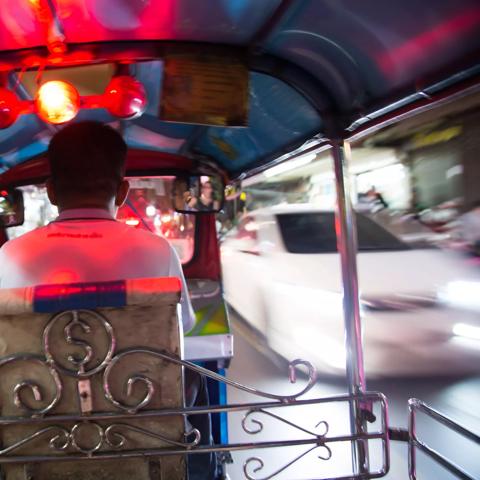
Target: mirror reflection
x=203, y=194
x=11, y=208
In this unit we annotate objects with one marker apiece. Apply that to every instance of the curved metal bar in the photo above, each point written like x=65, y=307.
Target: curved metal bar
x=80, y=370
x=76, y=321
x=88, y=451
x=274, y=474
x=260, y=425
x=130, y=383
x=141, y=379
x=292, y=372
x=60, y=432
x=60, y=446
x=31, y=385
x=312, y=377
x=415, y=405
x=150, y=390
x=110, y=434
x=37, y=394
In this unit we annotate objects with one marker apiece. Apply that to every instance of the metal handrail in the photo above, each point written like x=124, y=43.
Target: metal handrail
x=110, y=438
x=414, y=406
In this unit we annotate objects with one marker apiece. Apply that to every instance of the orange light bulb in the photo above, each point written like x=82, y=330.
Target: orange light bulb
x=57, y=102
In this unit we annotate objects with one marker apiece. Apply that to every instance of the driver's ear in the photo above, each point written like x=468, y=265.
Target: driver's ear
x=51, y=192
x=122, y=193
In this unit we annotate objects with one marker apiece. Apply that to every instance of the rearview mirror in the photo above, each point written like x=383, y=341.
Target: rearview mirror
x=198, y=194
x=11, y=208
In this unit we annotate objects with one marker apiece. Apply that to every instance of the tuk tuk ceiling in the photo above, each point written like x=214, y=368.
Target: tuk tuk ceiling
x=343, y=58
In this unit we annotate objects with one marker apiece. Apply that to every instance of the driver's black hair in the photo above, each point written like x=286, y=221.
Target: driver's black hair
x=87, y=158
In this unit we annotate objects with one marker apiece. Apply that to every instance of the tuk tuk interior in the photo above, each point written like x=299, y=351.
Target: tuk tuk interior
x=298, y=77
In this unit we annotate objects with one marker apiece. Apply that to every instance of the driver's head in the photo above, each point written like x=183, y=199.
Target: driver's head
x=87, y=162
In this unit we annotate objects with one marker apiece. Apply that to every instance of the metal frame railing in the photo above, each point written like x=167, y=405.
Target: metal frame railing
x=414, y=443
x=83, y=433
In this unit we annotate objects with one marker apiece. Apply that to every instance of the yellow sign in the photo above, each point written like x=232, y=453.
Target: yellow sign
x=205, y=90
x=438, y=136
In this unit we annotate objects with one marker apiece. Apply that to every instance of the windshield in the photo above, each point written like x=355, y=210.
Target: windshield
x=148, y=207
x=315, y=233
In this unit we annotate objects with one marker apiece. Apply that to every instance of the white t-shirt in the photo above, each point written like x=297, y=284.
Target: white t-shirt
x=89, y=245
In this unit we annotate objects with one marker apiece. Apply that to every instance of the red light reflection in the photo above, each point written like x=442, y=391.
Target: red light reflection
x=154, y=285
x=132, y=286
x=418, y=48
x=63, y=276
x=9, y=108
x=43, y=292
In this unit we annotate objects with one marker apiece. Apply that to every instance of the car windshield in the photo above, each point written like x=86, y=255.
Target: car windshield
x=314, y=232
x=148, y=207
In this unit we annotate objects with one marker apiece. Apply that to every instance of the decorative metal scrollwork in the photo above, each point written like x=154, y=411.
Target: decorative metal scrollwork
x=260, y=464
x=61, y=438
x=32, y=386
x=87, y=450
x=61, y=434
x=259, y=425
x=150, y=390
x=79, y=321
x=116, y=439
x=90, y=433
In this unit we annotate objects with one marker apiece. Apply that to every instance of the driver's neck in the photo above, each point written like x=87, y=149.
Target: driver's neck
x=110, y=206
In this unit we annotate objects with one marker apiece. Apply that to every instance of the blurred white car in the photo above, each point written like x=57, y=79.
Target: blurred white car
x=420, y=307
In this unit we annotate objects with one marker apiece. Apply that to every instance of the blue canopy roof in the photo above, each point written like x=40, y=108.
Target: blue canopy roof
x=311, y=61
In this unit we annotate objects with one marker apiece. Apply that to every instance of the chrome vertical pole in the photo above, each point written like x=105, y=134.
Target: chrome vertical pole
x=347, y=247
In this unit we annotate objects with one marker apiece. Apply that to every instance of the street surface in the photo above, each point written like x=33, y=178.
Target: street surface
x=256, y=366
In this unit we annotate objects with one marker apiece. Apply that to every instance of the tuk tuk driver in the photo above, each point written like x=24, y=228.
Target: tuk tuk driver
x=85, y=243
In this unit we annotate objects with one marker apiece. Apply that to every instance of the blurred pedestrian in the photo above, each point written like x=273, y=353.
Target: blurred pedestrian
x=377, y=198
x=470, y=227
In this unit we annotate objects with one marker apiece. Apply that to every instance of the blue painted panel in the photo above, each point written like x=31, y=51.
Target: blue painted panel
x=278, y=116
x=57, y=298
x=25, y=138
x=151, y=76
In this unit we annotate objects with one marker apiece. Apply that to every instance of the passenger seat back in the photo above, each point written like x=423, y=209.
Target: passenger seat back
x=82, y=368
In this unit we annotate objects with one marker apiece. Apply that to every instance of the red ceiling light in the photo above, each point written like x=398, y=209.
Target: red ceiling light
x=9, y=108
x=125, y=97
x=57, y=102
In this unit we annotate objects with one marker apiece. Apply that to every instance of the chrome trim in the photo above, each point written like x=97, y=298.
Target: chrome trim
x=347, y=247
x=414, y=406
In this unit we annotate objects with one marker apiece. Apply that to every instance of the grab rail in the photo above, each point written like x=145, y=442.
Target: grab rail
x=414, y=406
